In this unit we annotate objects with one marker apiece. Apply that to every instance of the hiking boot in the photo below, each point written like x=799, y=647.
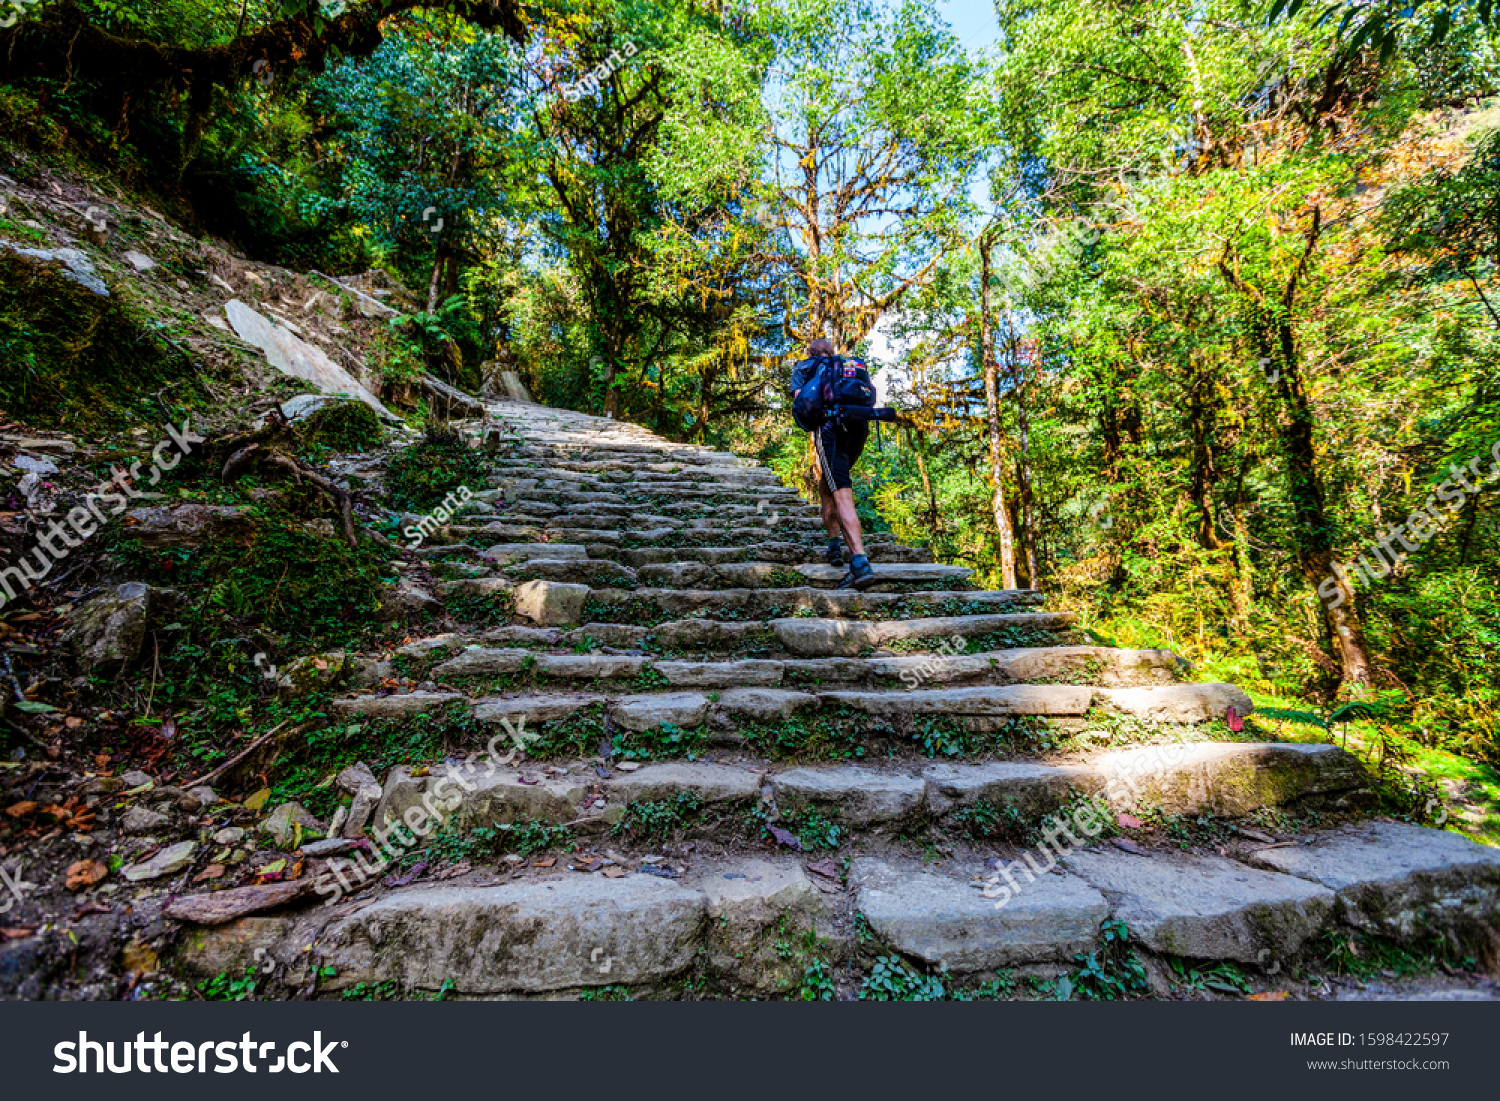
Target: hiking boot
x=860, y=575
x=835, y=556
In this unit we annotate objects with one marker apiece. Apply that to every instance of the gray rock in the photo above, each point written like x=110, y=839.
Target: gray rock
x=482, y=661
x=763, y=704
x=682, y=709
x=562, y=933
x=847, y=637
x=408, y=599
x=295, y=357
x=110, y=628
x=721, y=674
x=366, y=799
x=229, y=835
x=141, y=820
x=164, y=527
x=852, y=795
x=138, y=260
x=1205, y=907
x=981, y=701
x=534, y=709
x=520, y=552
x=135, y=778
x=77, y=267
x=551, y=603
x=1224, y=778
x=356, y=776
x=711, y=783
x=169, y=861
x=279, y=824
x=333, y=846
x=589, y=666
x=755, y=905
x=1035, y=790
x=398, y=706
x=946, y=923
x=1179, y=703
x=1400, y=880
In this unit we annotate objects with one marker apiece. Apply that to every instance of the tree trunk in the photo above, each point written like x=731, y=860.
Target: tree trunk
x=1006, y=535
x=1023, y=460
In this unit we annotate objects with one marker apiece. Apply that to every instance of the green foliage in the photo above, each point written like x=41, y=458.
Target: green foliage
x=342, y=426
x=817, y=983
x=1223, y=977
x=75, y=360
x=454, y=843
x=223, y=988
x=1110, y=973
x=421, y=476
x=661, y=743
x=891, y=980
x=660, y=817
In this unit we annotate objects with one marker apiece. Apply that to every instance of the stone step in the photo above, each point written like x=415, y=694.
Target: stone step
x=847, y=637
x=1261, y=775
x=1065, y=664
x=989, y=708
x=653, y=606
x=571, y=563
x=725, y=920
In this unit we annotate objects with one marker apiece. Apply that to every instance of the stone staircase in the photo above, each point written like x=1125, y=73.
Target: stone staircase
x=715, y=771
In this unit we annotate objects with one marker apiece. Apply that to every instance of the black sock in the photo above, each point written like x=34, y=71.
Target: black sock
x=857, y=561
x=833, y=544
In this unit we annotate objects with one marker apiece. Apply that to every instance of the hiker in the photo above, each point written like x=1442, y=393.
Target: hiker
x=838, y=442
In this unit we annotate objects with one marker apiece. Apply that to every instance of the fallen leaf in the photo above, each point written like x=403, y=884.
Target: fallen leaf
x=258, y=800
x=1232, y=717
x=785, y=837
x=549, y=862
x=213, y=871
x=614, y=871
x=1129, y=846
x=402, y=881
x=628, y=766
x=15, y=934
x=1256, y=835
x=1271, y=996
x=825, y=868
x=72, y=722
x=1128, y=822
x=85, y=873
x=19, y=810
x=32, y=707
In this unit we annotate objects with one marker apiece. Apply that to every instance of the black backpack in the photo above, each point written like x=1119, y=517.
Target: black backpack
x=840, y=387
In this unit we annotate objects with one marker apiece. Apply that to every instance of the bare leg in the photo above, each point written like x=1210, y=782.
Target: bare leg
x=848, y=519
x=830, y=512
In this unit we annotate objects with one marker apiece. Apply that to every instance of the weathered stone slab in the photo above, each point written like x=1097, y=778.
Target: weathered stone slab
x=535, y=709
x=682, y=709
x=1179, y=703
x=946, y=923
x=1017, y=699
x=1224, y=778
x=566, y=932
x=711, y=783
x=1033, y=789
x=1400, y=880
x=397, y=706
x=762, y=704
x=482, y=661
x=727, y=674
x=850, y=794
x=1205, y=907
x=848, y=637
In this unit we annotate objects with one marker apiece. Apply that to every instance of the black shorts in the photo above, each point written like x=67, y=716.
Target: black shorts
x=839, y=448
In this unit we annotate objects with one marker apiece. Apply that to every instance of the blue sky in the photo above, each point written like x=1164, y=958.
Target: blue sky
x=972, y=20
